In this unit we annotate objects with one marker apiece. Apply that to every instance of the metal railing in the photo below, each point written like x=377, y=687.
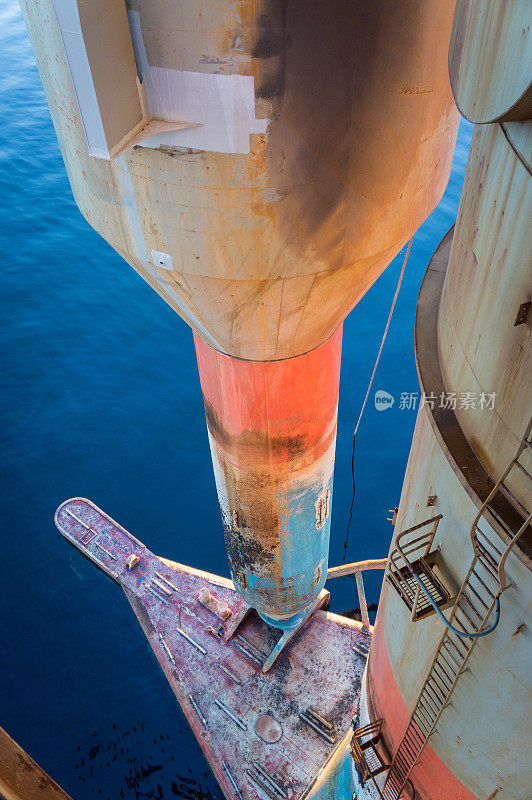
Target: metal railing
x=478, y=597
x=364, y=749
x=411, y=572
x=357, y=568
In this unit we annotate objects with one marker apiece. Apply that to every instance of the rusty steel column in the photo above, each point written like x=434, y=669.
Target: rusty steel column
x=272, y=432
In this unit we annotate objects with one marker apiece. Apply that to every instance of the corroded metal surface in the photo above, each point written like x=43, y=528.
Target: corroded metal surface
x=220, y=685
x=273, y=247
x=490, y=57
x=272, y=432
x=21, y=778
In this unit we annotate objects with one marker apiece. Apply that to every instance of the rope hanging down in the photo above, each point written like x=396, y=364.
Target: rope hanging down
x=384, y=335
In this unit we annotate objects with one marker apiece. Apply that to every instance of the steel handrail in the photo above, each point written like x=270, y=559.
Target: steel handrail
x=357, y=568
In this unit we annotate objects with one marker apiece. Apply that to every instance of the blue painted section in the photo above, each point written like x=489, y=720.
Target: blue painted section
x=304, y=553
x=337, y=782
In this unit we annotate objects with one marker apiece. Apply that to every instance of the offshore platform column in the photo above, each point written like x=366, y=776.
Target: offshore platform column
x=272, y=432
x=449, y=695
x=259, y=163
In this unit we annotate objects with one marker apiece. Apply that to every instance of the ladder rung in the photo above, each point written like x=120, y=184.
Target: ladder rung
x=488, y=540
x=452, y=666
x=431, y=712
x=441, y=682
x=472, y=627
x=485, y=554
x=395, y=775
x=455, y=665
x=422, y=723
x=488, y=576
x=489, y=565
x=445, y=677
x=410, y=753
x=415, y=731
x=458, y=643
x=447, y=644
x=438, y=698
x=477, y=595
x=427, y=710
x=430, y=705
x=400, y=767
x=500, y=520
x=403, y=768
x=402, y=759
x=412, y=743
x=470, y=604
x=510, y=496
x=440, y=661
x=437, y=690
x=523, y=469
x=395, y=783
x=457, y=623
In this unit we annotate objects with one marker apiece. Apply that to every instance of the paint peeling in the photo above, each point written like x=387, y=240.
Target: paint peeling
x=272, y=433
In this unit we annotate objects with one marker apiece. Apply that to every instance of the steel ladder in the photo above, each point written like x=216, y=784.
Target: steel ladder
x=472, y=610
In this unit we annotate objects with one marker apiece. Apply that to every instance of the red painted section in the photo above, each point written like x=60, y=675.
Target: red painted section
x=272, y=429
x=292, y=403
x=432, y=778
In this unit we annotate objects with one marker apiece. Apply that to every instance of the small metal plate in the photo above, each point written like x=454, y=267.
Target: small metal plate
x=268, y=729
x=163, y=260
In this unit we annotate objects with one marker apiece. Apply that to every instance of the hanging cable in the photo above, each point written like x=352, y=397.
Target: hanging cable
x=369, y=390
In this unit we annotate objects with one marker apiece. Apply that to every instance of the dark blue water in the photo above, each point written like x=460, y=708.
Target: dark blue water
x=99, y=396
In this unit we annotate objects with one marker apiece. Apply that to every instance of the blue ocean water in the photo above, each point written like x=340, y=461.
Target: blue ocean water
x=99, y=396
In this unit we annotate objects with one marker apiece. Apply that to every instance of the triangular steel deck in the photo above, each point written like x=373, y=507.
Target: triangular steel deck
x=264, y=735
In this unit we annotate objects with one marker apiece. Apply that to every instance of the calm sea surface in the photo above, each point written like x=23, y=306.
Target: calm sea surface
x=99, y=396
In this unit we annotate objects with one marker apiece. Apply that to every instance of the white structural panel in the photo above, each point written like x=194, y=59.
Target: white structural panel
x=78, y=61
x=222, y=106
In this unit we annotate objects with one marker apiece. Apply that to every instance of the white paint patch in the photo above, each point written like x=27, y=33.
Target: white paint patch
x=223, y=105
x=70, y=26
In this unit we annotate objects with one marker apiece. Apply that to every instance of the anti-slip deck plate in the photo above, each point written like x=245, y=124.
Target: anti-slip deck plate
x=307, y=699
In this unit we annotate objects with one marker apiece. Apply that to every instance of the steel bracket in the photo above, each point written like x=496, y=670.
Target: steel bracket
x=286, y=636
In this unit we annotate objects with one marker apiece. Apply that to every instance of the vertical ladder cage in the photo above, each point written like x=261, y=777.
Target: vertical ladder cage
x=469, y=620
